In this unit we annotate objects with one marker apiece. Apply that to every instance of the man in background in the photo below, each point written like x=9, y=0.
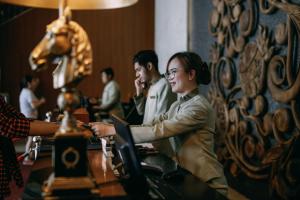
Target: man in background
x=111, y=95
x=153, y=92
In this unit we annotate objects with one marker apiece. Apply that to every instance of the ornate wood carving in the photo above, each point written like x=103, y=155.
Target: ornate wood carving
x=255, y=90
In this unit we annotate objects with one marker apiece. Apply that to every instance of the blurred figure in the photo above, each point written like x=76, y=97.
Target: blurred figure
x=29, y=104
x=111, y=96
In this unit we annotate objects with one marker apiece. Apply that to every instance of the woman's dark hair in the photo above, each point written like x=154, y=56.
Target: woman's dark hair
x=25, y=80
x=145, y=56
x=192, y=61
x=108, y=71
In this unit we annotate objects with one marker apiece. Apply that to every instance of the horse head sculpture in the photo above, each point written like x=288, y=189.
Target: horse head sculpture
x=67, y=45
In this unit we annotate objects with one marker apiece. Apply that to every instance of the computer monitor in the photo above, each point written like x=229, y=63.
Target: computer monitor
x=134, y=181
x=133, y=178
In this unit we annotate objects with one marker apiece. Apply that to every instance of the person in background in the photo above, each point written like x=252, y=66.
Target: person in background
x=14, y=124
x=148, y=80
x=190, y=121
x=29, y=104
x=159, y=94
x=111, y=95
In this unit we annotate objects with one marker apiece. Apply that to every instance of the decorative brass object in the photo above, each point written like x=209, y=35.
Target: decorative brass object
x=67, y=45
x=70, y=152
x=256, y=90
x=66, y=41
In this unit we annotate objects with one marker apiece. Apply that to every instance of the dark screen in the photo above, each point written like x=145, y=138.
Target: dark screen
x=134, y=179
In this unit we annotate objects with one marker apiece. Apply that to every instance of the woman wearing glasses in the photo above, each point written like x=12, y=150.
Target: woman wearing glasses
x=189, y=123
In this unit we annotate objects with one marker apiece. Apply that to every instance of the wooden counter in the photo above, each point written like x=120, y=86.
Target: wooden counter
x=184, y=186
x=100, y=169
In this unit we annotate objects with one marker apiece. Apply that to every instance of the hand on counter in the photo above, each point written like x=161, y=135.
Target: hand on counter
x=103, y=129
x=86, y=129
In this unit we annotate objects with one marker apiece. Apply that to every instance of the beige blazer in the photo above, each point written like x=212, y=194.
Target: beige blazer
x=190, y=126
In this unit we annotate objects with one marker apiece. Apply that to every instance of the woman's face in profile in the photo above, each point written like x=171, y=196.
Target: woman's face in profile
x=178, y=77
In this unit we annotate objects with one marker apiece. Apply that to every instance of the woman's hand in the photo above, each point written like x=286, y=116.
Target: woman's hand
x=103, y=129
x=85, y=128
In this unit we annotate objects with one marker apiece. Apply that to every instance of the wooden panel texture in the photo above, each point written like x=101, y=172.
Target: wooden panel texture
x=116, y=35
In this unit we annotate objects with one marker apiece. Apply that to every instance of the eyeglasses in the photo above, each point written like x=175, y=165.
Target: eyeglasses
x=171, y=73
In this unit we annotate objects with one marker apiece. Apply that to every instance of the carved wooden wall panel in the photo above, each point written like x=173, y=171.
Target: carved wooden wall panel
x=256, y=91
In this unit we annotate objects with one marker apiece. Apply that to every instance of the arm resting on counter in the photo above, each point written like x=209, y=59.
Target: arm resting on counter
x=42, y=128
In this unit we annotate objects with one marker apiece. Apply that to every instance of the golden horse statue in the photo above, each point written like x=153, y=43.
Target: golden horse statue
x=67, y=45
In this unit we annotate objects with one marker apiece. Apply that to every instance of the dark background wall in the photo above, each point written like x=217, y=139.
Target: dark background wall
x=199, y=39
x=116, y=35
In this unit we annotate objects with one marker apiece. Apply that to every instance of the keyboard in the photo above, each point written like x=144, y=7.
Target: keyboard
x=94, y=143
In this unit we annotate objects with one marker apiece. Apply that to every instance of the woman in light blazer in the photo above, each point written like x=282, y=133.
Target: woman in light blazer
x=189, y=124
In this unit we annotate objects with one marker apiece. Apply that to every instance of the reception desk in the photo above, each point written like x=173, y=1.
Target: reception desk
x=108, y=186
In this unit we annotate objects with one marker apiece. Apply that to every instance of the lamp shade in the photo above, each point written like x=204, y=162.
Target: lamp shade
x=74, y=4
